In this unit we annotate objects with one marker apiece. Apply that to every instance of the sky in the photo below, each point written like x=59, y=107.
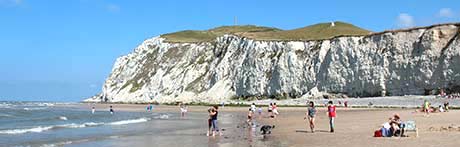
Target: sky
x=63, y=50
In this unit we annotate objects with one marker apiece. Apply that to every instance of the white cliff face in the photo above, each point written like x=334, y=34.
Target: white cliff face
x=392, y=63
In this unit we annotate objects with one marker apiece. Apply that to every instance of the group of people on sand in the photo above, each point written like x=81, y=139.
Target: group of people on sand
x=393, y=128
x=427, y=108
x=311, y=115
x=273, y=110
x=213, y=128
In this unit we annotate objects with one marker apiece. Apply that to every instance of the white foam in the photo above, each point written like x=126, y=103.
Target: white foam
x=62, y=118
x=21, y=131
x=130, y=121
x=31, y=109
x=162, y=116
x=41, y=129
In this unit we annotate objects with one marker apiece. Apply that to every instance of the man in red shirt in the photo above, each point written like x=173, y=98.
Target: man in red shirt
x=331, y=113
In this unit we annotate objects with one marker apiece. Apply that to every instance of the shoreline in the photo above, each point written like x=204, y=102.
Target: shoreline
x=393, y=102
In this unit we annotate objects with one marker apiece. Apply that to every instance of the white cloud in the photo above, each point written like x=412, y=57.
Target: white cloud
x=445, y=12
x=405, y=20
x=113, y=8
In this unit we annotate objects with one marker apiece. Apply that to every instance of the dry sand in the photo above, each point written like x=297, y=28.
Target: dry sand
x=354, y=127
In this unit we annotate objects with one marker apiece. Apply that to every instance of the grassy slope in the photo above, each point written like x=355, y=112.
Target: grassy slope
x=208, y=35
x=313, y=32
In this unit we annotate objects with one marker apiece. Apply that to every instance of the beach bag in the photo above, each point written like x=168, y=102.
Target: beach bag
x=378, y=133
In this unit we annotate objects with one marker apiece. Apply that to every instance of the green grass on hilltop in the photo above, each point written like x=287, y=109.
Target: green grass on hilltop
x=208, y=35
x=313, y=32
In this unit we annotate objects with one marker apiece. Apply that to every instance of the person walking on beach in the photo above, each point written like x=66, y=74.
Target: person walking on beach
x=311, y=113
x=214, y=114
x=332, y=114
x=111, y=109
x=270, y=110
x=275, y=110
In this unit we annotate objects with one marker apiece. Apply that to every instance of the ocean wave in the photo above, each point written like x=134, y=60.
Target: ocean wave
x=130, y=121
x=62, y=118
x=39, y=129
x=5, y=115
x=22, y=131
x=162, y=116
x=35, y=108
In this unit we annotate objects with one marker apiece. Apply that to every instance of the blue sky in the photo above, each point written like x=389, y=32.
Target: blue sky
x=62, y=50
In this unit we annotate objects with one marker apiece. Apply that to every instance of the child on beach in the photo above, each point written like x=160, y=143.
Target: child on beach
x=426, y=107
x=311, y=113
x=250, y=113
x=260, y=112
x=332, y=114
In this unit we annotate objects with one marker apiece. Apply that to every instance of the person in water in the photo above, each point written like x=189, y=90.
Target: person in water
x=311, y=113
x=214, y=114
x=183, y=110
x=93, y=110
x=111, y=110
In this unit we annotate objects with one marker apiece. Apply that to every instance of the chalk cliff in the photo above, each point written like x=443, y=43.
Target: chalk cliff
x=412, y=61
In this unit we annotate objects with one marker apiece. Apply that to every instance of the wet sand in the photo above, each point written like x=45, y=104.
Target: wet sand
x=354, y=127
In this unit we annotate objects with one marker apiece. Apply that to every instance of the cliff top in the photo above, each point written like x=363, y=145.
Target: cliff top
x=313, y=32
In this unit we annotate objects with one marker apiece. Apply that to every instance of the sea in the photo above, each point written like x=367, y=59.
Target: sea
x=52, y=124
x=25, y=124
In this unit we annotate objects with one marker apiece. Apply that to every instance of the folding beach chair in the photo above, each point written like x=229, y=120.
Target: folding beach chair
x=411, y=127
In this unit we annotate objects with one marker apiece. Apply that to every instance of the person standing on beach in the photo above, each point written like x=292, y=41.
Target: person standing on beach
x=93, y=110
x=311, y=113
x=253, y=107
x=250, y=114
x=260, y=112
x=111, y=109
x=183, y=110
x=332, y=114
x=214, y=114
x=209, y=121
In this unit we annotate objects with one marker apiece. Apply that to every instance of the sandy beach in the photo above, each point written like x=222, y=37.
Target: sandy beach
x=354, y=127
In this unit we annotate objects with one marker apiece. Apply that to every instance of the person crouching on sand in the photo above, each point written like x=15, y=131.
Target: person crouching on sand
x=332, y=114
x=426, y=107
x=310, y=114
